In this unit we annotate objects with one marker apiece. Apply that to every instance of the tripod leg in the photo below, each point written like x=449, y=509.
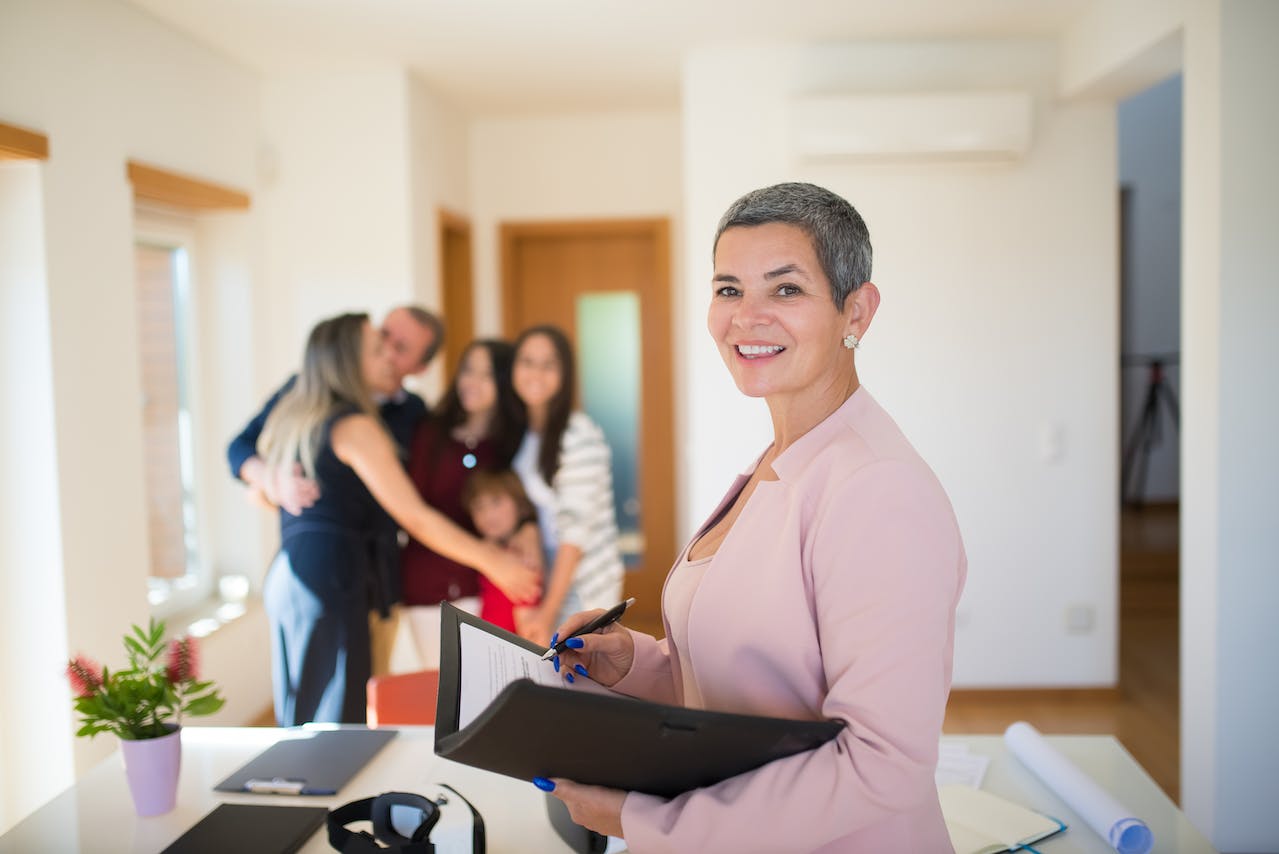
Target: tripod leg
x=1170, y=400
x=1142, y=438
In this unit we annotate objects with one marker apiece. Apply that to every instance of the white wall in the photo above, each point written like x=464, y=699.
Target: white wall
x=995, y=344
x=34, y=749
x=105, y=83
x=1150, y=165
x=1116, y=49
x=336, y=202
x=1230, y=461
x=607, y=165
x=439, y=157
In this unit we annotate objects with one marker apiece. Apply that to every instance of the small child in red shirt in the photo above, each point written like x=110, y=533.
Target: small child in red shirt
x=503, y=514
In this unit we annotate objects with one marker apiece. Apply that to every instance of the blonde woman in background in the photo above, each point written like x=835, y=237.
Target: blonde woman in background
x=316, y=592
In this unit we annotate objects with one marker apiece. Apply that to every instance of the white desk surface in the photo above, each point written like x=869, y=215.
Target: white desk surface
x=96, y=815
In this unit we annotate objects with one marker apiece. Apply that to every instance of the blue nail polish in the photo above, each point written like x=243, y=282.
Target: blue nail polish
x=555, y=638
x=575, y=643
x=580, y=669
x=556, y=662
x=569, y=676
x=544, y=784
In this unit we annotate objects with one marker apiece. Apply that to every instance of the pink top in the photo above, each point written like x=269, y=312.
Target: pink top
x=677, y=601
x=832, y=597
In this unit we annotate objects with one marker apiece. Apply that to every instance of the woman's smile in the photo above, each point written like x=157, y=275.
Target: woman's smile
x=753, y=352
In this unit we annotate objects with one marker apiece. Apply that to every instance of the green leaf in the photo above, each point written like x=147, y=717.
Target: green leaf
x=134, y=648
x=206, y=705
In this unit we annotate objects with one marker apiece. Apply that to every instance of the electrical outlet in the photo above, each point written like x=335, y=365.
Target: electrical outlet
x=1079, y=619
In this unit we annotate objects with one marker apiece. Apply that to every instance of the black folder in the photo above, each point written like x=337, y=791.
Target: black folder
x=250, y=829
x=321, y=761
x=532, y=730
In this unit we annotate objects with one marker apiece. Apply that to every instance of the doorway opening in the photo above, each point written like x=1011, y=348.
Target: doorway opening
x=1150, y=435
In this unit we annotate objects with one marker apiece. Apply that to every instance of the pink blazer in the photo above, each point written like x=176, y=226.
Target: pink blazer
x=832, y=597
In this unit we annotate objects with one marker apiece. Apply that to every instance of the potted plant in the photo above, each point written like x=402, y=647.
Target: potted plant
x=144, y=705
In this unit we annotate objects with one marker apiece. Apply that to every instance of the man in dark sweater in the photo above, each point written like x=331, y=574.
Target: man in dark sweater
x=412, y=337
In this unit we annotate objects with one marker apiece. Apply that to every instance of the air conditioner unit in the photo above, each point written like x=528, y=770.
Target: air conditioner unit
x=914, y=126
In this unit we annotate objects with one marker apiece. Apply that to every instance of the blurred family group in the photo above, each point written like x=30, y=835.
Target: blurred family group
x=498, y=500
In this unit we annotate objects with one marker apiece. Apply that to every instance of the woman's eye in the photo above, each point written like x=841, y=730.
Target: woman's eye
x=727, y=291
x=789, y=290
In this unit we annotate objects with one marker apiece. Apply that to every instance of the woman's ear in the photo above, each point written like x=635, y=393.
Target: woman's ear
x=862, y=305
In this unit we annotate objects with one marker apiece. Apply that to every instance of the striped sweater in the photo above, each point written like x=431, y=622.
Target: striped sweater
x=577, y=508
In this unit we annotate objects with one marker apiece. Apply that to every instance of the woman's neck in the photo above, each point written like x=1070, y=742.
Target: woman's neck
x=797, y=414
x=537, y=416
x=475, y=426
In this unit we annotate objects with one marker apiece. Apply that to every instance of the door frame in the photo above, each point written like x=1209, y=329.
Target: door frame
x=457, y=291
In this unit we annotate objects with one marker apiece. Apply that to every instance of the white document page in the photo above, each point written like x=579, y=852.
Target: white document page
x=490, y=663
x=955, y=764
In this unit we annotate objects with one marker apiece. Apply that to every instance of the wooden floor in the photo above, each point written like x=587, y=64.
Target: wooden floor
x=1144, y=712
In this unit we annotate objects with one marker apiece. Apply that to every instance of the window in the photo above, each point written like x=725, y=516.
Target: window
x=175, y=246
x=163, y=278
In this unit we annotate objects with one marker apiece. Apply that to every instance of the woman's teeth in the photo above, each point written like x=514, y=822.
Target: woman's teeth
x=752, y=350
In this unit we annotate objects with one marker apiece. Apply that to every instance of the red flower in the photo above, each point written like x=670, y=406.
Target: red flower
x=85, y=676
x=184, y=660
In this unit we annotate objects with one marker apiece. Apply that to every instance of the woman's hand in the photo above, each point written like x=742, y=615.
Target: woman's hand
x=593, y=807
x=520, y=583
x=534, y=624
x=607, y=655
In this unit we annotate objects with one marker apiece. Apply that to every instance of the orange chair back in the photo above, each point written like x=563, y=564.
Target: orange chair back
x=403, y=699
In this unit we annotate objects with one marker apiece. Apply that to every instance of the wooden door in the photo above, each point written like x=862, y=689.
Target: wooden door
x=607, y=284
x=458, y=301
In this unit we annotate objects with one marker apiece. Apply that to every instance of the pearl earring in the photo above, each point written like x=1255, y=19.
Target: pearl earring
x=851, y=341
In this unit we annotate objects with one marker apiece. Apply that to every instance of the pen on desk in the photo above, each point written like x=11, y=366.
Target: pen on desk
x=283, y=786
x=612, y=615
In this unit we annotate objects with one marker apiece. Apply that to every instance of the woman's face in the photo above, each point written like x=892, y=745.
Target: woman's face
x=772, y=315
x=375, y=366
x=494, y=514
x=537, y=372
x=476, y=387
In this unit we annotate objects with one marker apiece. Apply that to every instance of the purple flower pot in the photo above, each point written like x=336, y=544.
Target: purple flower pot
x=151, y=766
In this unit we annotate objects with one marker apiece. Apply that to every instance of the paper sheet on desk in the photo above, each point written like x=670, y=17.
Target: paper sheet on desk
x=955, y=764
x=492, y=663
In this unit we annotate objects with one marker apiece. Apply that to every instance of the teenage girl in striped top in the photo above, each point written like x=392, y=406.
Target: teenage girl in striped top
x=564, y=462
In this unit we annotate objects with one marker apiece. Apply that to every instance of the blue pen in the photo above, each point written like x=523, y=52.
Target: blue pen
x=612, y=615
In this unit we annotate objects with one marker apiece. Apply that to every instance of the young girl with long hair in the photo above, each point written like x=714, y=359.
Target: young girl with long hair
x=477, y=426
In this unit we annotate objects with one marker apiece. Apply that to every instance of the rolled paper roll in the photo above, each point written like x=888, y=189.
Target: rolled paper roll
x=1126, y=833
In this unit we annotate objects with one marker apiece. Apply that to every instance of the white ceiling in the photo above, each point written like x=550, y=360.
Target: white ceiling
x=499, y=56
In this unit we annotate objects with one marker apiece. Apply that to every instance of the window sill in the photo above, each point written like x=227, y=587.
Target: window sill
x=209, y=615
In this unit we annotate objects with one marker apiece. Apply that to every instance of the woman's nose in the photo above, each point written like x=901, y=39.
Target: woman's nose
x=751, y=311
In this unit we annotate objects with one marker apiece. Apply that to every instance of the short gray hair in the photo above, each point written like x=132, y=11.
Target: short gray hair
x=838, y=233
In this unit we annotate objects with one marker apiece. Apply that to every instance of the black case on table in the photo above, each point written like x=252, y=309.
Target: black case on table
x=246, y=828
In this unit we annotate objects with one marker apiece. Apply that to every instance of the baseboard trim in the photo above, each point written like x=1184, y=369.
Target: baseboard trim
x=1036, y=695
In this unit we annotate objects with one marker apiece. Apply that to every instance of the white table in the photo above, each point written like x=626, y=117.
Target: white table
x=96, y=815
x=1105, y=760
